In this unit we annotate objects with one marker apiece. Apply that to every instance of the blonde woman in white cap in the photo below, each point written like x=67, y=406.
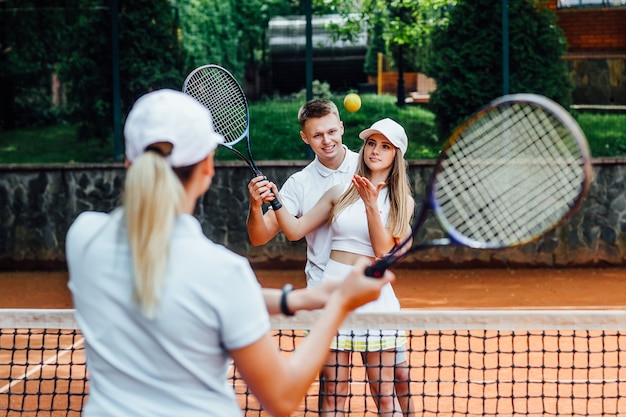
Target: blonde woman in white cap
x=163, y=309
x=367, y=218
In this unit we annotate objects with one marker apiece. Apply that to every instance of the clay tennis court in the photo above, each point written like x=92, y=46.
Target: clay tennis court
x=432, y=373
x=444, y=288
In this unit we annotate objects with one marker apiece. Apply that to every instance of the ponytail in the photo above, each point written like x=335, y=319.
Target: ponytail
x=153, y=197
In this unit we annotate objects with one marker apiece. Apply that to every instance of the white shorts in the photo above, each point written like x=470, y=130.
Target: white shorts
x=367, y=340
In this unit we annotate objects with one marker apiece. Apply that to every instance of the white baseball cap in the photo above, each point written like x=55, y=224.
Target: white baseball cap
x=389, y=129
x=174, y=117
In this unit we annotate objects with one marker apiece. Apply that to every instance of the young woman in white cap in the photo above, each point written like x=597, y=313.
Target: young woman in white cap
x=162, y=308
x=367, y=218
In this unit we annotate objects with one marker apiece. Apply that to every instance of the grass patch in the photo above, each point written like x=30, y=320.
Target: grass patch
x=606, y=133
x=274, y=133
x=52, y=144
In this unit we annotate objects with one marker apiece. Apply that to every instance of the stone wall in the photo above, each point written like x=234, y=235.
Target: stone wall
x=38, y=203
x=600, y=81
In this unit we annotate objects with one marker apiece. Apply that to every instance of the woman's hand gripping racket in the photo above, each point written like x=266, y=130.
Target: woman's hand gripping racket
x=514, y=171
x=217, y=89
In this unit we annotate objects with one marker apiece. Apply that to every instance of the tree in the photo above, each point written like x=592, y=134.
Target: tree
x=404, y=26
x=160, y=42
x=466, y=61
x=376, y=45
x=251, y=19
x=31, y=42
x=209, y=35
x=150, y=58
x=230, y=33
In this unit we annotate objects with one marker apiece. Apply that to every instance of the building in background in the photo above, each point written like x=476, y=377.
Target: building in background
x=596, y=35
x=337, y=62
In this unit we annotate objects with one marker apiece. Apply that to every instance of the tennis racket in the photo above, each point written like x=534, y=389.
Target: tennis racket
x=514, y=171
x=218, y=90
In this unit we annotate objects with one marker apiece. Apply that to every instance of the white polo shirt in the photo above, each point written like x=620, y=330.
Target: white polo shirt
x=177, y=363
x=300, y=193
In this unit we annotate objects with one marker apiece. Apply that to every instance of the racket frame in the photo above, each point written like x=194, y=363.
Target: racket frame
x=229, y=144
x=430, y=203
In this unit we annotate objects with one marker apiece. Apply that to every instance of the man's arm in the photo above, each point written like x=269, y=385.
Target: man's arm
x=295, y=228
x=261, y=227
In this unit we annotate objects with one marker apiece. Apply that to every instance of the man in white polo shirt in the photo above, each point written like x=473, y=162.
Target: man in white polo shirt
x=334, y=163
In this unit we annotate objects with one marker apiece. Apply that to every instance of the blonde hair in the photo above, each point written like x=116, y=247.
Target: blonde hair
x=399, y=194
x=153, y=197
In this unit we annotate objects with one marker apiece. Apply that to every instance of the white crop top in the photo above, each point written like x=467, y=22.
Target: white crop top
x=349, y=230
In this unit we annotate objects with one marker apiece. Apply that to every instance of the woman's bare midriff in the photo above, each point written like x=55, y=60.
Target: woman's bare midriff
x=347, y=258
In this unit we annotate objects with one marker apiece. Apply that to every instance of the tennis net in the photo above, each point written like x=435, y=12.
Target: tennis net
x=459, y=362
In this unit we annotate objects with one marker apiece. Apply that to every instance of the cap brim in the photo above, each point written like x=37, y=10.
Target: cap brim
x=217, y=138
x=369, y=132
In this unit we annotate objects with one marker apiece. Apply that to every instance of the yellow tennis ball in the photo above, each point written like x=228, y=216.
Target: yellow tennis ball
x=352, y=102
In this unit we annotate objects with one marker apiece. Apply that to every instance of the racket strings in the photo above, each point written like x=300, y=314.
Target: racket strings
x=542, y=191
x=222, y=95
x=484, y=190
x=505, y=178
x=517, y=220
x=514, y=220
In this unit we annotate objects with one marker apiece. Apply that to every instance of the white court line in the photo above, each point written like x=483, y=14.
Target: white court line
x=523, y=381
x=37, y=368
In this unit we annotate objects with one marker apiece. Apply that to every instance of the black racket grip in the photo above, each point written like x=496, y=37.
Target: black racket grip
x=378, y=268
x=276, y=205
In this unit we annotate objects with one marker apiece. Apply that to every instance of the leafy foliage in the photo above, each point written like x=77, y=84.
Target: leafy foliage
x=209, y=34
x=160, y=42
x=150, y=58
x=376, y=45
x=274, y=134
x=274, y=128
x=31, y=41
x=395, y=27
x=467, y=58
x=251, y=20
x=319, y=89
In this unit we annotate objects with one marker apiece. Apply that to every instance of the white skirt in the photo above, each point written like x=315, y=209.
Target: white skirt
x=367, y=340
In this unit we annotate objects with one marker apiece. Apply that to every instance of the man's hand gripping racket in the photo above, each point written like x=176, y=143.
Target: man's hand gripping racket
x=218, y=90
x=514, y=171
